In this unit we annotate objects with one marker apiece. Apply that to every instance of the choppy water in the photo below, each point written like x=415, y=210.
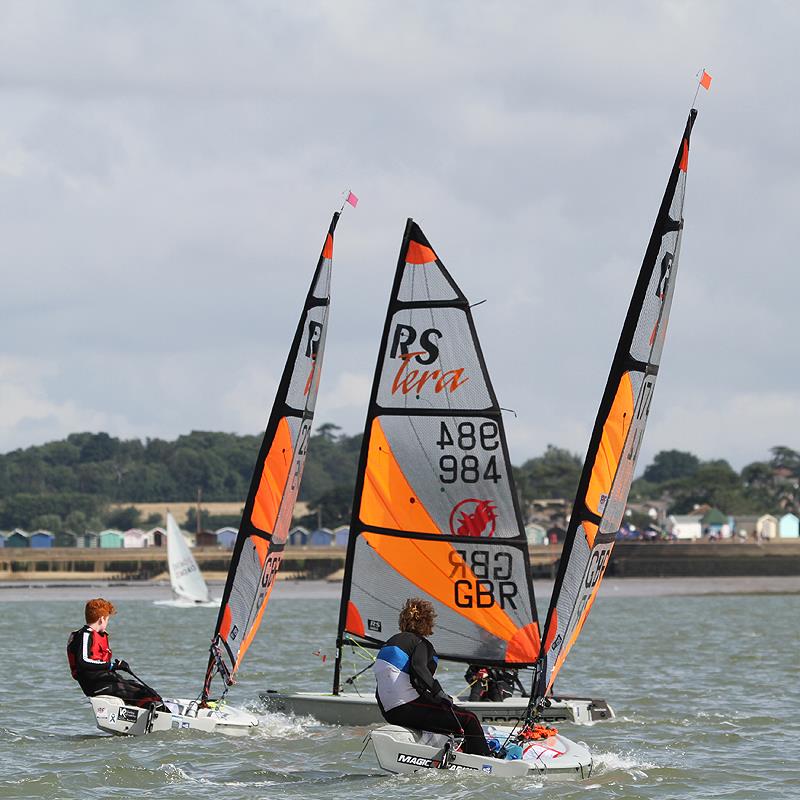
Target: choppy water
x=706, y=689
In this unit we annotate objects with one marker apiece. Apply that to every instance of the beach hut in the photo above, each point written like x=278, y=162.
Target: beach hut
x=321, y=537
x=789, y=526
x=205, y=539
x=66, y=539
x=110, y=538
x=713, y=522
x=157, y=537
x=86, y=539
x=135, y=538
x=745, y=526
x=18, y=538
x=767, y=527
x=3, y=535
x=226, y=537
x=298, y=536
x=685, y=526
x=536, y=534
x=42, y=539
x=341, y=535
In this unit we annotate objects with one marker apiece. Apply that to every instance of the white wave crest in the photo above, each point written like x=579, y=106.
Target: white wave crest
x=274, y=724
x=627, y=762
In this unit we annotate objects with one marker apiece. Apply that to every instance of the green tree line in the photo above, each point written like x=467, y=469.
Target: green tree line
x=69, y=485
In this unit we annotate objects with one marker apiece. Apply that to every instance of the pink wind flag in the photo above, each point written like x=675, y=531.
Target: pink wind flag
x=352, y=199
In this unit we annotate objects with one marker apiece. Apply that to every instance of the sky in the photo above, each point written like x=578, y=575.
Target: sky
x=168, y=171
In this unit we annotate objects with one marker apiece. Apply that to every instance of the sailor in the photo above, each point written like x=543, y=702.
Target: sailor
x=90, y=661
x=492, y=684
x=407, y=692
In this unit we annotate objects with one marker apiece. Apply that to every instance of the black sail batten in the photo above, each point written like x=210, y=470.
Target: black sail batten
x=290, y=418
x=592, y=530
x=407, y=433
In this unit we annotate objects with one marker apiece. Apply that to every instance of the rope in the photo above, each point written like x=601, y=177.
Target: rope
x=468, y=686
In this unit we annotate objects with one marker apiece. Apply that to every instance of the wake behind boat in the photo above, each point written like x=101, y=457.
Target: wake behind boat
x=188, y=585
x=263, y=531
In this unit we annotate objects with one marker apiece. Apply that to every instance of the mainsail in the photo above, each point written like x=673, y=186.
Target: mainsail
x=184, y=574
x=435, y=512
x=258, y=551
x=618, y=430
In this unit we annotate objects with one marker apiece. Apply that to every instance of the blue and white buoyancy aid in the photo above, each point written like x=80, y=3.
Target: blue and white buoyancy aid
x=396, y=674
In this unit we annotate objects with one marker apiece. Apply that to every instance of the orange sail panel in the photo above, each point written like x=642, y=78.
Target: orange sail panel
x=273, y=479
x=435, y=513
x=387, y=499
x=609, y=452
x=258, y=550
x=616, y=439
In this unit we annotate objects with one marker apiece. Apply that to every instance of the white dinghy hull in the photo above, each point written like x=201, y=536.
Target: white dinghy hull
x=353, y=709
x=114, y=716
x=401, y=750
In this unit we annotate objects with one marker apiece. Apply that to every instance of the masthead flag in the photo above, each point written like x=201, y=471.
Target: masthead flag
x=705, y=80
x=353, y=200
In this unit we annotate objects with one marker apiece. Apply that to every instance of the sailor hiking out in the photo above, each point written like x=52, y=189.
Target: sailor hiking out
x=408, y=694
x=92, y=665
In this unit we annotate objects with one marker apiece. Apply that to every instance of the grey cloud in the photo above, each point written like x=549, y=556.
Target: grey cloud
x=167, y=173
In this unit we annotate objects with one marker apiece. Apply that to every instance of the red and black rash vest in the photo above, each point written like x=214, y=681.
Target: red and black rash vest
x=88, y=653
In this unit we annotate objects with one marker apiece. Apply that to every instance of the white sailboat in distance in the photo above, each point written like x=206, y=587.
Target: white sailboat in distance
x=188, y=585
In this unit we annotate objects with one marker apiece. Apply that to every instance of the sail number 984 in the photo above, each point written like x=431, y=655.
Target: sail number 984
x=467, y=436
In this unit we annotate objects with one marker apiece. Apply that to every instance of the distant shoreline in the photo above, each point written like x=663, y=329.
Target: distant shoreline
x=72, y=591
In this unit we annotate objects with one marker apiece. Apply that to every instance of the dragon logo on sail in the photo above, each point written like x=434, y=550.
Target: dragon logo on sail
x=472, y=517
x=408, y=379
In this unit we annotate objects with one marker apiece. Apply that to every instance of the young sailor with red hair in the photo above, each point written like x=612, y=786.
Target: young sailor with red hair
x=91, y=664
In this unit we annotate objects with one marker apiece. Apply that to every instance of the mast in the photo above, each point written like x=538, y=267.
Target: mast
x=267, y=515
x=435, y=510
x=617, y=434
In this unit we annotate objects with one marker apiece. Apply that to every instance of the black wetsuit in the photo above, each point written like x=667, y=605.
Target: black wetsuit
x=90, y=663
x=495, y=686
x=404, y=672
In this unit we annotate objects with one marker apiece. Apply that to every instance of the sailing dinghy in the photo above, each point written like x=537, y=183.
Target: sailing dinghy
x=185, y=578
x=596, y=518
x=435, y=486
x=258, y=551
x=435, y=512
x=617, y=434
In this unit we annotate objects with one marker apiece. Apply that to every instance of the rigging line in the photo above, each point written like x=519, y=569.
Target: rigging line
x=354, y=643
x=365, y=653
x=479, y=303
x=468, y=686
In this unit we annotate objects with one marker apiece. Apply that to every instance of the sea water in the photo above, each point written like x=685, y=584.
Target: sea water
x=705, y=688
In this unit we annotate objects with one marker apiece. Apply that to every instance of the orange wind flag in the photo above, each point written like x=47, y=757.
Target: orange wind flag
x=705, y=80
